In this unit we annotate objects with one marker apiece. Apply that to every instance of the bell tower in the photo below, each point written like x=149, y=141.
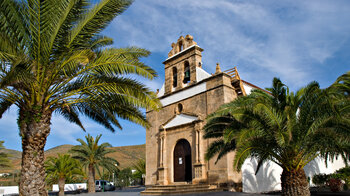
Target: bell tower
x=180, y=66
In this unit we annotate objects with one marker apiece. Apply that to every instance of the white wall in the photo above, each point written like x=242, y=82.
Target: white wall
x=268, y=177
x=248, y=89
x=70, y=187
x=5, y=190
x=184, y=94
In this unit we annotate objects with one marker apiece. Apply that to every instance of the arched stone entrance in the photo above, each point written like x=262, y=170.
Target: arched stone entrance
x=182, y=161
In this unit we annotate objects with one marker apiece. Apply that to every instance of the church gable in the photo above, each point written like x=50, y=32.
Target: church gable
x=180, y=119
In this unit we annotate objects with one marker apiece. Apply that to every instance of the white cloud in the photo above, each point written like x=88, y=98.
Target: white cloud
x=264, y=38
x=64, y=132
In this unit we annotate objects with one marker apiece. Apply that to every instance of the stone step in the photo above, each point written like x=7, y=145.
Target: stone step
x=179, y=192
x=173, y=189
x=166, y=187
x=179, y=189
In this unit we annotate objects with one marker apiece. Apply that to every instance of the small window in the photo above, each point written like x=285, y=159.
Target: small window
x=174, y=77
x=103, y=183
x=97, y=183
x=187, y=73
x=179, y=108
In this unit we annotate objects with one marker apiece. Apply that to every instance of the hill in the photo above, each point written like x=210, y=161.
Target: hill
x=125, y=155
x=14, y=154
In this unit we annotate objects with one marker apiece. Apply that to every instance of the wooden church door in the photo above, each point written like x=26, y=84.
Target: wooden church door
x=182, y=161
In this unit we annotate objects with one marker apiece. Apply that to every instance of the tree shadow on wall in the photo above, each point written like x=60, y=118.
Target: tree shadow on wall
x=267, y=179
x=313, y=168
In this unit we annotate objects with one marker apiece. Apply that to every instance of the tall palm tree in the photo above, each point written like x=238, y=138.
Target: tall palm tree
x=54, y=59
x=4, y=161
x=94, y=156
x=289, y=129
x=61, y=168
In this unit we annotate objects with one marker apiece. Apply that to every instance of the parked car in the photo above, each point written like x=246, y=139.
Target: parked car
x=104, y=185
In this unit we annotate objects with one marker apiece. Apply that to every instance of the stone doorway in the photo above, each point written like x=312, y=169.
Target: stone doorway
x=182, y=161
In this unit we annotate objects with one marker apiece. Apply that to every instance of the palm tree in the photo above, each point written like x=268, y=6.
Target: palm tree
x=60, y=169
x=54, y=59
x=93, y=157
x=342, y=84
x=289, y=129
x=140, y=167
x=4, y=161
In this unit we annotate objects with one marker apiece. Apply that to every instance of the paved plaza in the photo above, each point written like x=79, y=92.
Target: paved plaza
x=136, y=192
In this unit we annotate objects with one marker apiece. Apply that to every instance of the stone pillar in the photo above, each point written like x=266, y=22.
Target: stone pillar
x=199, y=166
x=162, y=169
x=161, y=152
x=197, y=147
x=180, y=75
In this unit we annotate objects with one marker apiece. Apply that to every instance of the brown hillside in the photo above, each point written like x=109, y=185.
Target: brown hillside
x=126, y=155
x=14, y=154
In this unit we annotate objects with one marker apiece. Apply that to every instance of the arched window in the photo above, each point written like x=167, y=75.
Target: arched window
x=180, y=46
x=187, y=73
x=174, y=77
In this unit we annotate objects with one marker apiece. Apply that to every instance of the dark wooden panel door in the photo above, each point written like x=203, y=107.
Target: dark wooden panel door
x=182, y=161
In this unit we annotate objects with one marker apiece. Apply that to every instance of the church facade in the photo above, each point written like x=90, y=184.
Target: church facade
x=175, y=147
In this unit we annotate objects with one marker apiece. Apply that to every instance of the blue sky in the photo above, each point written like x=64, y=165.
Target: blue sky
x=297, y=41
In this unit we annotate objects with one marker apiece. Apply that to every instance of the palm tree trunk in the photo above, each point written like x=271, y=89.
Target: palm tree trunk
x=34, y=131
x=61, y=183
x=91, y=180
x=294, y=183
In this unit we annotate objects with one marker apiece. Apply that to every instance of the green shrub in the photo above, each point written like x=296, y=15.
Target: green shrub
x=344, y=174
x=335, y=184
x=345, y=171
x=320, y=179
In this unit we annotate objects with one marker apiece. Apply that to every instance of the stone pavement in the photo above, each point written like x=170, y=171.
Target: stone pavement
x=136, y=192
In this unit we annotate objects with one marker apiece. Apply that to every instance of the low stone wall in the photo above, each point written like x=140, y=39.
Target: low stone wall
x=70, y=187
x=6, y=190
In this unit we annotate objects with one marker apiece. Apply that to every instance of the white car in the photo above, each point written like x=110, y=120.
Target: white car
x=104, y=185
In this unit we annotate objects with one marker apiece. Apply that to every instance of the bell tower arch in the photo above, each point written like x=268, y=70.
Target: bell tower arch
x=184, y=57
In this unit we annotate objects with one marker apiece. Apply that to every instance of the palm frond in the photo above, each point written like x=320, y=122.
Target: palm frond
x=71, y=115
x=96, y=19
